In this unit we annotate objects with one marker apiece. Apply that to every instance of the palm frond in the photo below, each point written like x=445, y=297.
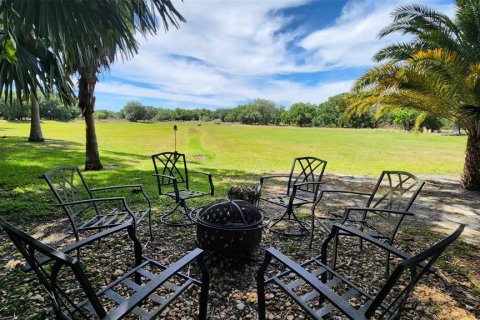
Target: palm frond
x=400, y=51
x=418, y=19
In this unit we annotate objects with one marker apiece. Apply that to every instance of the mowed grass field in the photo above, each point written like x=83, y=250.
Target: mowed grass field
x=254, y=149
x=233, y=153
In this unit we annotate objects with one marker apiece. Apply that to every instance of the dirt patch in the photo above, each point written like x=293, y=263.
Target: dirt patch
x=199, y=157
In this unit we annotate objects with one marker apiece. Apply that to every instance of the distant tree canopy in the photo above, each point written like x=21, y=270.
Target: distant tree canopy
x=266, y=112
x=135, y=111
x=107, y=114
x=14, y=110
x=54, y=109
x=50, y=109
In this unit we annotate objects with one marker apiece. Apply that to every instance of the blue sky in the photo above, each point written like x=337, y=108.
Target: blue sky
x=230, y=52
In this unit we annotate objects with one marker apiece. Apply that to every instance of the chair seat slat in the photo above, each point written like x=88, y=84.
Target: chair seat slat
x=292, y=285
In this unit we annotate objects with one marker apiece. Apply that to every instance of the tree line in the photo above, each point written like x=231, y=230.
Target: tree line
x=265, y=112
x=50, y=109
x=258, y=112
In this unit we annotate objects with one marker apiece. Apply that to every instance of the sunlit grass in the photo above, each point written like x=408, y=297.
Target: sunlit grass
x=233, y=153
x=246, y=148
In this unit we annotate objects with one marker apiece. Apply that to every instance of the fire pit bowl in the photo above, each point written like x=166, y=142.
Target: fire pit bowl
x=230, y=226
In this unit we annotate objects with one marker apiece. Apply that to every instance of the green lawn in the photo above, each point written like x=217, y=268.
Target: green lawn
x=246, y=148
x=230, y=152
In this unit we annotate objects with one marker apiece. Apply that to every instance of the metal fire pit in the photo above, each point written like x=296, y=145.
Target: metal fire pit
x=231, y=226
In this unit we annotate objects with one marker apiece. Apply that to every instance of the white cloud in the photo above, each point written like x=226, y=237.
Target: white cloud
x=353, y=39
x=237, y=50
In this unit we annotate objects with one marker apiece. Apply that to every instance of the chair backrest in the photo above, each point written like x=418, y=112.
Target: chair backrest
x=390, y=300
x=33, y=250
x=395, y=190
x=306, y=169
x=68, y=185
x=170, y=164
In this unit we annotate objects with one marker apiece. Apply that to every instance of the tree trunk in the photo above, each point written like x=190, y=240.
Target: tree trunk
x=35, y=127
x=471, y=169
x=86, y=103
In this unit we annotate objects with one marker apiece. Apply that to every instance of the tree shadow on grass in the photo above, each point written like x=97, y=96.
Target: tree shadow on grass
x=26, y=200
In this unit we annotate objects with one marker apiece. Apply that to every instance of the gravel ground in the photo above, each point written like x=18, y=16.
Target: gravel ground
x=452, y=293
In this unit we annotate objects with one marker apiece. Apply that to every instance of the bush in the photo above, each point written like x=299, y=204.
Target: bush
x=14, y=110
x=134, y=111
x=165, y=115
x=301, y=114
x=100, y=115
x=54, y=109
x=328, y=113
x=106, y=114
x=406, y=117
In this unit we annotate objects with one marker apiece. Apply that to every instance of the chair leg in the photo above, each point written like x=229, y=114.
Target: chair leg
x=150, y=224
x=77, y=238
x=290, y=217
x=261, y=299
x=312, y=229
x=387, y=269
x=204, y=289
x=260, y=277
x=165, y=218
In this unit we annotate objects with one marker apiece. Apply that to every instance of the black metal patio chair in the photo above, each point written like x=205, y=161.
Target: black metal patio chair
x=151, y=286
x=173, y=180
x=321, y=290
x=87, y=212
x=302, y=188
x=384, y=209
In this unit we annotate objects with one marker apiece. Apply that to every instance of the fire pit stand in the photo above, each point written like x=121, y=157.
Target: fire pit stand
x=229, y=227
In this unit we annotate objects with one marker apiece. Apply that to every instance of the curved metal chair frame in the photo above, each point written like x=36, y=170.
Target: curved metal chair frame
x=394, y=198
x=335, y=292
x=302, y=188
x=173, y=181
x=84, y=211
x=140, y=280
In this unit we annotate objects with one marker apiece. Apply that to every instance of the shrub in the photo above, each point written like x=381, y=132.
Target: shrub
x=14, y=110
x=134, y=111
x=53, y=109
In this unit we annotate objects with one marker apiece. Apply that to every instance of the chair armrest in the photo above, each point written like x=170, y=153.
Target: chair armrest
x=164, y=176
x=347, y=212
x=84, y=242
x=130, y=186
x=322, y=192
x=210, y=179
x=312, y=280
x=153, y=285
x=95, y=200
x=299, y=184
x=347, y=192
x=175, y=185
x=352, y=231
x=355, y=232
x=262, y=180
x=139, y=186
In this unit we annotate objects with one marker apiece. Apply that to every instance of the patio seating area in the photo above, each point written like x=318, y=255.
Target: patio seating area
x=118, y=278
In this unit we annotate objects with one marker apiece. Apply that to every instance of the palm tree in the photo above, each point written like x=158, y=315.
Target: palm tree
x=114, y=40
x=437, y=72
x=29, y=67
x=87, y=36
